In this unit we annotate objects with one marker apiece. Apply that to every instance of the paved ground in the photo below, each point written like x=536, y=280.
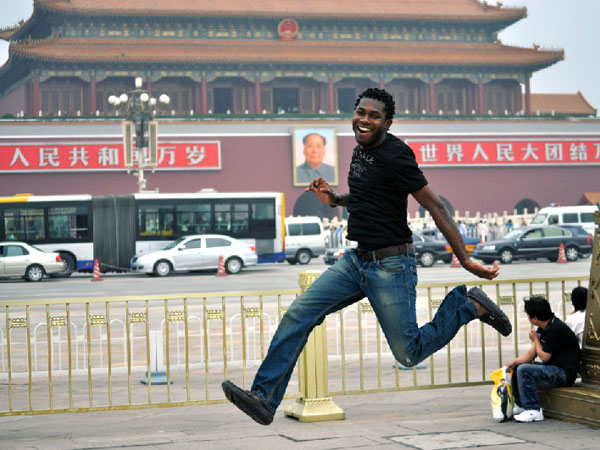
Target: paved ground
x=428, y=419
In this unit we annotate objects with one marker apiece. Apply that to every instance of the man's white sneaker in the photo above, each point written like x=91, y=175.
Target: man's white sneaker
x=517, y=410
x=530, y=415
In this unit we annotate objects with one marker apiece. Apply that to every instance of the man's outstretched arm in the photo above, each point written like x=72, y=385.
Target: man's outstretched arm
x=430, y=201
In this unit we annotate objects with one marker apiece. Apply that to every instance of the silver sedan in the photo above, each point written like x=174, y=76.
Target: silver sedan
x=196, y=252
x=18, y=259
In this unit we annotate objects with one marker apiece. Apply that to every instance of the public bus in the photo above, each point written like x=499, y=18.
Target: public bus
x=114, y=228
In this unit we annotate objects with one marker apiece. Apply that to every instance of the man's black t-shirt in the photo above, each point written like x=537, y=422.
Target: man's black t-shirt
x=560, y=341
x=380, y=180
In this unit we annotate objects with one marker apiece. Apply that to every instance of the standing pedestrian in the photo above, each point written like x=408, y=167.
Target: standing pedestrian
x=383, y=172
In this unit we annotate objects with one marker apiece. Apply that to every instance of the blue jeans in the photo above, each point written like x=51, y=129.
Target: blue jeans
x=527, y=378
x=390, y=285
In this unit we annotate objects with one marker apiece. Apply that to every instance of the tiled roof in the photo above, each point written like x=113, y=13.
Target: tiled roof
x=254, y=51
x=590, y=198
x=462, y=10
x=561, y=103
x=6, y=33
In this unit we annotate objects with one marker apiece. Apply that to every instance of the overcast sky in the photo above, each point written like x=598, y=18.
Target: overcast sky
x=566, y=24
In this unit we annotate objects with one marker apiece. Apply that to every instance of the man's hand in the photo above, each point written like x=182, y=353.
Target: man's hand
x=533, y=336
x=322, y=190
x=489, y=273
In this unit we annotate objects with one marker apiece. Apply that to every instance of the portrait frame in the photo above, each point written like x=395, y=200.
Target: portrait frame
x=302, y=173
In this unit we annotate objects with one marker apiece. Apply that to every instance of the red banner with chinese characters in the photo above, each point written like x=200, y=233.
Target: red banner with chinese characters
x=506, y=152
x=180, y=155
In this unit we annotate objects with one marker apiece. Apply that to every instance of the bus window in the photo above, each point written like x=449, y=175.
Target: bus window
x=24, y=224
x=155, y=220
x=193, y=218
x=222, y=217
x=262, y=222
x=241, y=219
x=68, y=222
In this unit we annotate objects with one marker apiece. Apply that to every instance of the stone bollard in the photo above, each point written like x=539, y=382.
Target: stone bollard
x=314, y=403
x=581, y=403
x=590, y=361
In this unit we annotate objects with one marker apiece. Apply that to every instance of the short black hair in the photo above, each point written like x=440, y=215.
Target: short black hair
x=389, y=106
x=537, y=306
x=316, y=134
x=579, y=298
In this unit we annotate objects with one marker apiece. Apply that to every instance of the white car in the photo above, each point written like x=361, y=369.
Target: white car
x=196, y=252
x=18, y=259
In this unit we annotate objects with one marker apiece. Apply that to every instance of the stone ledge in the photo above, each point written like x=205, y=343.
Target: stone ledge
x=579, y=403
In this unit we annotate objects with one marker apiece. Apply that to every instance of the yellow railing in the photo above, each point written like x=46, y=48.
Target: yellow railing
x=90, y=354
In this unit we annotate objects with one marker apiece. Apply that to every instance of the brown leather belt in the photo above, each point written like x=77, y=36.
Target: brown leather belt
x=380, y=253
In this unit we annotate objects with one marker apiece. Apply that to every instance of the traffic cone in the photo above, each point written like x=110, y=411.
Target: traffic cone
x=455, y=262
x=562, y=257
x=97, y=276
x=221, y=272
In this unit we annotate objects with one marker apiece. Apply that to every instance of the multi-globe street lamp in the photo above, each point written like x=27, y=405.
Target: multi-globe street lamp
x=139, y=108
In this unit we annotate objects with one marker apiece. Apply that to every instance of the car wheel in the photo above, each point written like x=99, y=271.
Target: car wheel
x=35, y=272
x=572, y=253
x=68, y=263
x=162, y=268
x=303, y=256
x=233, y=265
x=427, y=259
x=506, y=256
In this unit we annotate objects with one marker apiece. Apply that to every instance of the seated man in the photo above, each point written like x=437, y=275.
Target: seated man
x=576, y=320
x=556, y=346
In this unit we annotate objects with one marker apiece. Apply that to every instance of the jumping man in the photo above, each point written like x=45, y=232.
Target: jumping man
x=382, y=268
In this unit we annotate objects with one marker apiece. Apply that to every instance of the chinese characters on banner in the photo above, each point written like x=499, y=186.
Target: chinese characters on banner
x=506, y=152
x=192, y=155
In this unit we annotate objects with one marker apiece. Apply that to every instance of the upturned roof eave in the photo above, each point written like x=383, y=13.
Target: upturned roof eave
x=524, y=66
x=184, y=51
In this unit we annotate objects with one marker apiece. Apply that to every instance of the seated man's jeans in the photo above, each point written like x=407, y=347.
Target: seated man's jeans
x=390, y=285
x=527, y=378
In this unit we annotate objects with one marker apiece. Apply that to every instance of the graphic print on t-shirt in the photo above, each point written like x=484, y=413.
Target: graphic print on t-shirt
x=359, y=161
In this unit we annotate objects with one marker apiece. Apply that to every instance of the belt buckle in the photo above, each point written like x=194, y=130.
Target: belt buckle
x=367, y=255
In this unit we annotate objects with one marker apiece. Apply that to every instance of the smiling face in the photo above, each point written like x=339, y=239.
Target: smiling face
x=314, y=150
x=369, y=123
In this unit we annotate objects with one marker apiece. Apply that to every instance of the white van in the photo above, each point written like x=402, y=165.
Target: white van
x=567, y=215
x=304, y=239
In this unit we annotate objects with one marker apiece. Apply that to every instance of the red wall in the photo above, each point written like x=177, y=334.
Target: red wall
x=265, y=164
x=14, y=102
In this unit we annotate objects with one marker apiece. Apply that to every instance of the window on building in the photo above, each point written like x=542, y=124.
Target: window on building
x=223, y=100
x=346, y=99
x=285, y=100
x=67, y=100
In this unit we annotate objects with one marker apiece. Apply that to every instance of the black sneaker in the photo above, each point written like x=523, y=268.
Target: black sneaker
x=494, y=315
x=249, y=402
